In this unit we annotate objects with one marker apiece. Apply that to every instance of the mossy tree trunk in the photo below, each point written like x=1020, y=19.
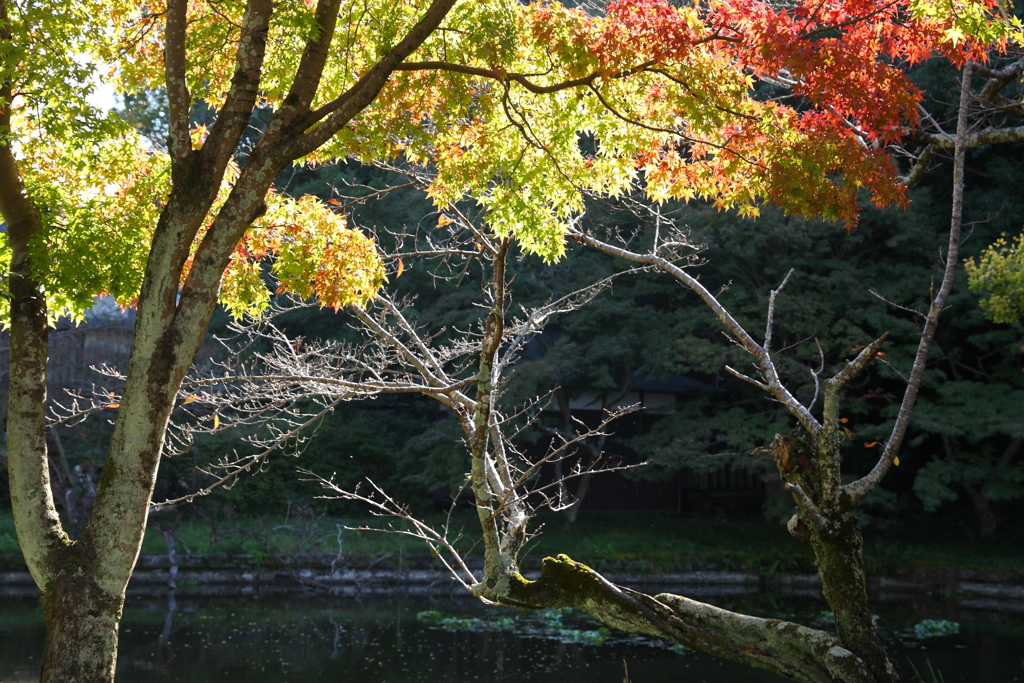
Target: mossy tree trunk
x=789, y=649
x=810, y=468
x=82, y=618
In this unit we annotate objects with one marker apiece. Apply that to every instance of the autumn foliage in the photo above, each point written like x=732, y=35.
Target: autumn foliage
x=527, y=109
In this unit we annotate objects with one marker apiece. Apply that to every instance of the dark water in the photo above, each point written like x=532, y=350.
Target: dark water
x=313, y=637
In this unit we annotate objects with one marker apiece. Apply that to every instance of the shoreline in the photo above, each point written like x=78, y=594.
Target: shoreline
x=420, y=574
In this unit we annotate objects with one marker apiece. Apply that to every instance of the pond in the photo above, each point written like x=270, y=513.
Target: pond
x=263, y=638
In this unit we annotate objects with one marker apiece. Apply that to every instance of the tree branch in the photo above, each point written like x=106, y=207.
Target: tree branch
x=998, y=78
x=920, y=166
x=987, y=136
x=807, y=507
x=860, y=488
x=233, y=117
x=38, y=525
x=314, y=58
x=774, y=383
x=179, y=99
x=796, y=652
x=852, y=369
x=771, y=312
x=337, y=113
x=521, y=79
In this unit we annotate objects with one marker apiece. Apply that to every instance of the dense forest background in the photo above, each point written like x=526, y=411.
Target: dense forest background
x=848, y=287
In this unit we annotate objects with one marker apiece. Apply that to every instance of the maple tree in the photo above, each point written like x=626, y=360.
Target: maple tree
x=999, y=274
x=525, y=108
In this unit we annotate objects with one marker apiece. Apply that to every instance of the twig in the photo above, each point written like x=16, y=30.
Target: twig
x=745, y=378
x=815, y=374
x=771, y=312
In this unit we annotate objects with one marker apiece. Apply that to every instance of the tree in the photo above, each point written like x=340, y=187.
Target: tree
x=967, y=415
x=524, y=108
x=808, y=460
x=405, y=357
x=999, y=274
x=160, y=230
x=975, y=411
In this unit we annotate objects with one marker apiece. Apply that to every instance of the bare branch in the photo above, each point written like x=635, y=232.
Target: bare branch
x=771, y=312
x=852, y=369
x=774, y=383
x=807, y=507
x=815, y=374
x=920, y=166
x=380, y=503
x=745, y=378
x=860, y=488
x=235, y=468
x=565, y=448
x=896, y=305
x=987, y=136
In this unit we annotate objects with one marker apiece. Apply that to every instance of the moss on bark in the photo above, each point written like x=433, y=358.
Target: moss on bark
x=797, y=652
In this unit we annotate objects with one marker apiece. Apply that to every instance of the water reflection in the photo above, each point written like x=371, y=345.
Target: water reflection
x=263, y=638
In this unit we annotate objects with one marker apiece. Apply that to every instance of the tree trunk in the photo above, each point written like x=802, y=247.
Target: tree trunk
x=987, y=520
x=838, y=552
x=791, y=650
x=81, y=630
x=810, y=467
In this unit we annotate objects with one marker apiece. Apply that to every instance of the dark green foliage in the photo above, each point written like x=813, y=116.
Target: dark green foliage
x=5, y=496
x=380, y=440
x=645, y=327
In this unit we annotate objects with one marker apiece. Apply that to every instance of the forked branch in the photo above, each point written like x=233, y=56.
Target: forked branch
x=773, y=382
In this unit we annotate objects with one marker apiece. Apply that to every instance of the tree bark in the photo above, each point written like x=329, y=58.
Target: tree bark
x=791, y=650
x=82, y=618
x=987, y=520
x=838, y=553
x=810, y=467
x=35, y=516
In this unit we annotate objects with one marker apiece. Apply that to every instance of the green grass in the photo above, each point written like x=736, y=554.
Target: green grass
x=667, y=542
x=637, y=542
x=275, y=536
